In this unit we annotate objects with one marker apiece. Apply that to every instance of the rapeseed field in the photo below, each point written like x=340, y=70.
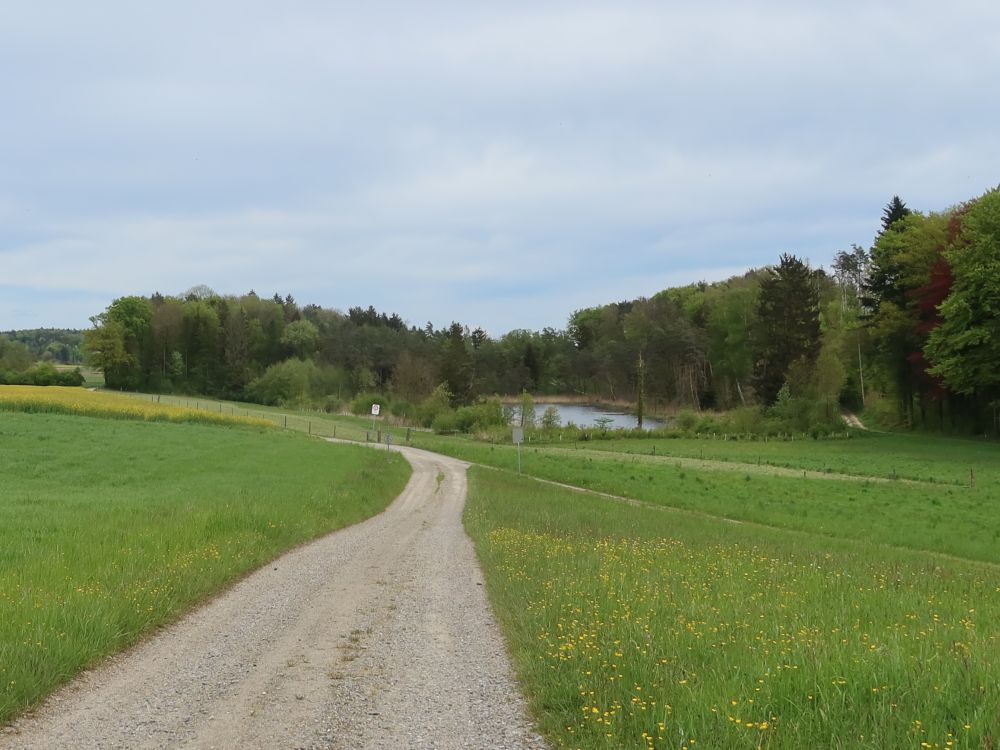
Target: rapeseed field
x=109, y=405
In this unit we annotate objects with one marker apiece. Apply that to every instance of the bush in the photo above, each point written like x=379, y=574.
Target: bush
x=284, y=383
x=550, y=419
x=687, y=420
x=709, y=424
x=483, y=415
x=401, y=408
x=445, y=421
x=884, y=412
x=361, y=405
x=748, y=419
x=438, y=402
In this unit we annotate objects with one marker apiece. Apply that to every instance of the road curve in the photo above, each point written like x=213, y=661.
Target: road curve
x=376, y=636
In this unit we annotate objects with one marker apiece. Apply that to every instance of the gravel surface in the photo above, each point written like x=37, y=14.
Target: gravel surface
x=376, y=636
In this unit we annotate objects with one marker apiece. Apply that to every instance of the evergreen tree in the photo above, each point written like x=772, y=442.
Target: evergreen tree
x=893, y=212
x=456, y=365
x=788, y=330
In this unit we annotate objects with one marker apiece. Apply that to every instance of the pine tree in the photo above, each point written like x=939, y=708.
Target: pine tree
x=893, y=212
x=788, y=329
x=456, y=365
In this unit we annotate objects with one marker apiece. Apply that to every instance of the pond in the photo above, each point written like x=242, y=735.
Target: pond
x=583, y=415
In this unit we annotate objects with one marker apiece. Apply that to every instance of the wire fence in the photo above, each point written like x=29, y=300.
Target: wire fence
x=319, y=424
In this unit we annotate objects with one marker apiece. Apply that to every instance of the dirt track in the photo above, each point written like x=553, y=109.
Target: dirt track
x=375, y=636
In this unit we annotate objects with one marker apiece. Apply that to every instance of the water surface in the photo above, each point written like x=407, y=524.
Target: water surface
x=583, y=415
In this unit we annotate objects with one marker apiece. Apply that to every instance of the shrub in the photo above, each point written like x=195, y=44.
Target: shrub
x=550, y=418
x=401, y=408
x=445, y=421
x=687, y=420
x=748, y=419
x=483, y=415
x=437, y=403
x=361, y=404
x=288, y=382
x=709, y=423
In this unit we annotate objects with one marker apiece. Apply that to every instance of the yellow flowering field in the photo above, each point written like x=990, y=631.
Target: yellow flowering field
x=638, y=628
x=77, y=401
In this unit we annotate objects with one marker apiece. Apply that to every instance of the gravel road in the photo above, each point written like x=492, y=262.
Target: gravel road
x=376, y=636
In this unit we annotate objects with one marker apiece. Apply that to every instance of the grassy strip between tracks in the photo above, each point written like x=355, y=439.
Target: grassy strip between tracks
x=955, y=520
x=635, y=627
x=110, y=527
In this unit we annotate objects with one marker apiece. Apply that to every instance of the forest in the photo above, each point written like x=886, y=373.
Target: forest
x=906, y=329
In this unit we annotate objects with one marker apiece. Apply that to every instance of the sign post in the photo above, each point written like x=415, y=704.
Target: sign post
x=375, y=410
x=518, y=439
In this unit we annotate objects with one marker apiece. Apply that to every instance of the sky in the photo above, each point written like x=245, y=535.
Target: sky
x=497, y=164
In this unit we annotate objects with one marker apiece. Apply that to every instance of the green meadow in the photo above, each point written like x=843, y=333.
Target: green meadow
x=645, y=627
x=705, y=593
x=109, y=528
x=902, y=456
x=949, y=518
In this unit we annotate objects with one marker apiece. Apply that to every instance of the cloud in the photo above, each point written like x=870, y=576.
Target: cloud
x=457, y=161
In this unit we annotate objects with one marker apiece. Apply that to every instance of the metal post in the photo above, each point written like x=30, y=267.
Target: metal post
x=518, y=436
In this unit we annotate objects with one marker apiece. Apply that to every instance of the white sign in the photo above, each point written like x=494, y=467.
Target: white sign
x=375, y=410
x=518, y=435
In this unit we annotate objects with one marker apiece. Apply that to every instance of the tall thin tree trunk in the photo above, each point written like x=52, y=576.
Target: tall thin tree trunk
x=861, y=375
x=640, y=406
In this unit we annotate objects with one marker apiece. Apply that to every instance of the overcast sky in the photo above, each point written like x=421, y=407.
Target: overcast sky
x=497, y=164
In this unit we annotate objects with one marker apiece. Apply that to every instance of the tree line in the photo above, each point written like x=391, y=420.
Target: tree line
x=57, y=345
x=906, y=327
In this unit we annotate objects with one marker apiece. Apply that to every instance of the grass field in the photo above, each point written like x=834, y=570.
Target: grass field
x=845, y=608
x=948, y=518
x=111, y=527
x=637, y=627
x=919, y=457
x=847, y=490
